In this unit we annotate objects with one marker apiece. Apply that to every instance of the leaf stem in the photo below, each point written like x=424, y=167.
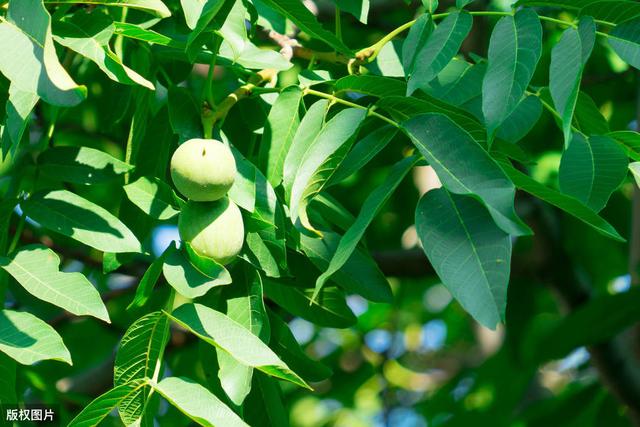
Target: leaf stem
x=208, y=91
x=335, y=99
x=17, y=234
x=368, y=54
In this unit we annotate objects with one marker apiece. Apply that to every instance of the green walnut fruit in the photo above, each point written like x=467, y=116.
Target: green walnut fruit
x=213, y=229
x=203, y=169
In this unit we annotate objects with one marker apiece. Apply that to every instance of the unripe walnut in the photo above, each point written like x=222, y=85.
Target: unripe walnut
x=203, y=169
x=213, y=229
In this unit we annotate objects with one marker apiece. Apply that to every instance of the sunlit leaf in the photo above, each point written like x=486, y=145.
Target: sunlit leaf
x=35, y=267
x=71, y=215
x=28, y=340
x=226, y=334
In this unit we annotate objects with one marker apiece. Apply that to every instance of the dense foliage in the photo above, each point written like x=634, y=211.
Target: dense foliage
x=482, y=148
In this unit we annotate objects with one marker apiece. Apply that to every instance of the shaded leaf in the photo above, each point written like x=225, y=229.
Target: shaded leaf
x=521, y=120
x=625, y=41
x=466, y=168
x=18, y=110
x=369, y=210
x=81, y=165
x=591, y=169
x=568, y=204
x=363, y=151
x=469, y=252
x=285, y=345
x=438, y=50
x=568, y=60
x=155, y=7
x=329, y=309
x=150, y=278
x=307, y=22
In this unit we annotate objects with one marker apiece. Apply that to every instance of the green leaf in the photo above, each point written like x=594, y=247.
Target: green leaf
x=403, y=108
x=469, y=252
x=521, y=120
x=416, y=40
x=150, y=278
x=465, y=168
x=310, y=126
x=35, y=267
x=243, y=191
x=588, y=119
x=625, y=41
x=438, y=50
x=565, y=4
x=227, y=335
x=19, y=107
x=197, y=402
x=568, y=59
x=591, y=169
x=462, y=3
x=266, y=401
x=191, y=280
x=7, y=380
x=153, y=196
x=313, y=171
x=430, y=5
x=71, y=215
x=458, y=83
x=514, y=51
x=103, y=405
x=568, y=204
x=136, y=32
x=363, y=151
x=184, y=114
x=358, y=8
x=307, y=22
x=330, y=309
x=81, y=165
x=245, y=305
x=28, y=56
x=359, y=274
x=370, y=209
x=370, y=85
x=202, y=13
x=611, y=11
x=239, y=49
x=285, y=345
x=635, y=171
x=88, y=35
x=138, y=358
x=155, y=7
x=388, y=63
x=280, y=129
x=28, y=340
x=257, y=253
x=629, y=141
